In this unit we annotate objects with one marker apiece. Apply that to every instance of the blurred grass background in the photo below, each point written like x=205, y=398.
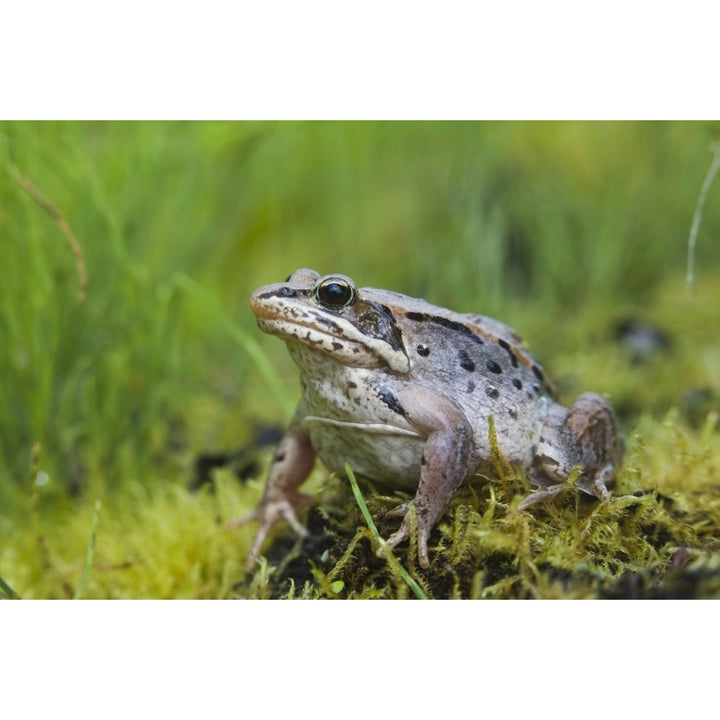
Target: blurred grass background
x=562, y=230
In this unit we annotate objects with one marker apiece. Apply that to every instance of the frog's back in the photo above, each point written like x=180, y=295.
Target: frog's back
x=481, y=365
x=458, y=348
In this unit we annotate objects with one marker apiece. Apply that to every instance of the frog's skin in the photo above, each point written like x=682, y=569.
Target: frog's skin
x=403, y=391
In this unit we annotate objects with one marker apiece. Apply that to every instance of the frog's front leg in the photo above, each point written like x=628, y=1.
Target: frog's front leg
x=291, y=464
x=588, y=434
x=444, y=460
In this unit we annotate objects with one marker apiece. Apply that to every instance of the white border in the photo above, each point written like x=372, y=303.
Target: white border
x=372, y=60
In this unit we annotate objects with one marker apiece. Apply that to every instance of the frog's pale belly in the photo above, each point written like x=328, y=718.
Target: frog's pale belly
x=382, y=453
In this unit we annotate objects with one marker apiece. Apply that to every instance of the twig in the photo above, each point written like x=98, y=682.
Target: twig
x=692, y=240
x=57, y=216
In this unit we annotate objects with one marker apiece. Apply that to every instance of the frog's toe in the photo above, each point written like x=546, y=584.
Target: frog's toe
x=271, y=511
x=254, y=553
x=403, y=534
x=399, y=511
x=540, y=496
x=422, y=540
x=396, y=538
x=243, y=520
x=597, y=485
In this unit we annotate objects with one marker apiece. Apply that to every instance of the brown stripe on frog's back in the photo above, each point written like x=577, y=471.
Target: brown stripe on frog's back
x=464, y=330
x=481, y=336
x=505, y=345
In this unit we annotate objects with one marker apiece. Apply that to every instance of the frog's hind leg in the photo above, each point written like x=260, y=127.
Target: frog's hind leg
x=594, y=426
x=587, y=436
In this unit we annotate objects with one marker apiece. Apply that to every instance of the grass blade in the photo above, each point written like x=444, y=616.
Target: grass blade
x=391, y=559
x=90, y=556
x=7, y=591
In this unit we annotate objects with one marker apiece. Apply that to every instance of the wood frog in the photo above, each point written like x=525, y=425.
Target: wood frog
x=403, y=391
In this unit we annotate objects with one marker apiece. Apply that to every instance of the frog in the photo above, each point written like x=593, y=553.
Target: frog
x=410, y=395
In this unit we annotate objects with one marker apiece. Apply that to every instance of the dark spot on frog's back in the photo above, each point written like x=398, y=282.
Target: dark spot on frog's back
x=465, y=362
x=423, y=350
x=493, y=367
x=391, y=401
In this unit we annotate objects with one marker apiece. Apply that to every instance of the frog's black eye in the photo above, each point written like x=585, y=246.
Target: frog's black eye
x=335, y=292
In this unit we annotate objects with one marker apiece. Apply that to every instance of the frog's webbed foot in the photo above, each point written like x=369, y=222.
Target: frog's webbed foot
x=423, y=533
x=403, y=533
x=590, y=484
x=269, y=513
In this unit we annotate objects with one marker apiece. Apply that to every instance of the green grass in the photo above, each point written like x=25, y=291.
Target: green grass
x=563, y=230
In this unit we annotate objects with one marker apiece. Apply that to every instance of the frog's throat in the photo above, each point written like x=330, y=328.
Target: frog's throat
x=344, y=341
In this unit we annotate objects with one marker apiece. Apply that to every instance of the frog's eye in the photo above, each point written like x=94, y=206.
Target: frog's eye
x=335, y=292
